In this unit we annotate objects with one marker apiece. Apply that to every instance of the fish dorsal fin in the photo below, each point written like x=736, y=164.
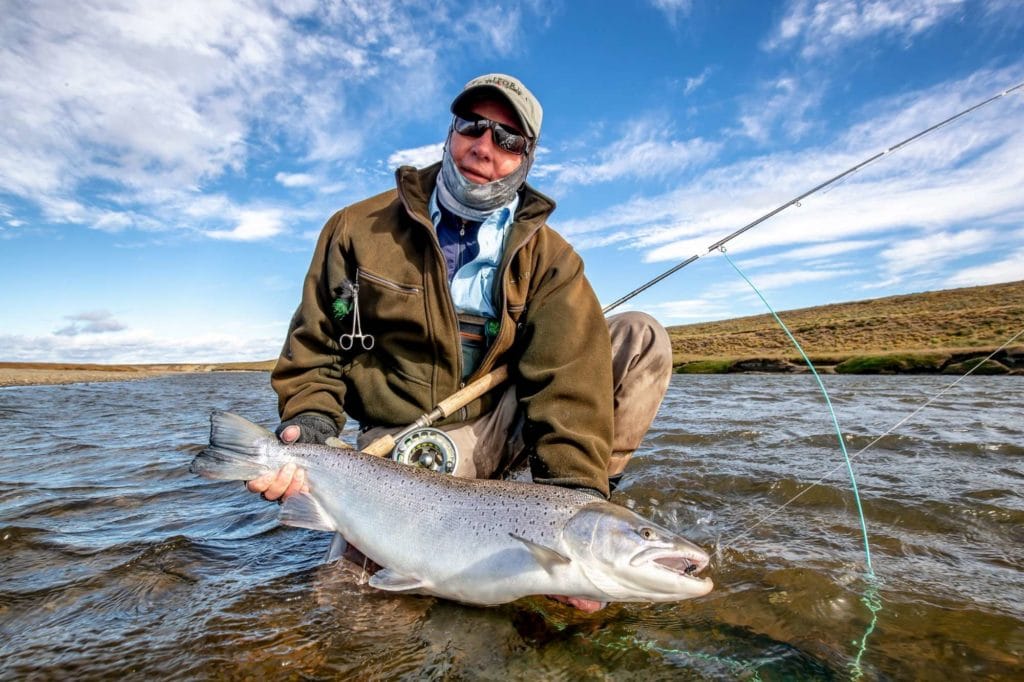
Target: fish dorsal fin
x=303, y=511
x=337, y=548
x=393, y=581
x=545, y=556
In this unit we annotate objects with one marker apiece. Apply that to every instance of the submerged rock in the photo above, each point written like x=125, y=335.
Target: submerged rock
x=987, y=367
x=897, y=363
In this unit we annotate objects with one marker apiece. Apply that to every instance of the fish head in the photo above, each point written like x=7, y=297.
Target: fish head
x=630, y=558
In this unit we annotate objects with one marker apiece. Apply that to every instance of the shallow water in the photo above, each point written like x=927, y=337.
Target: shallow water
x=116, y=562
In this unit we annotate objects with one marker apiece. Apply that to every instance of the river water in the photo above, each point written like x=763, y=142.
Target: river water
x=115, y=562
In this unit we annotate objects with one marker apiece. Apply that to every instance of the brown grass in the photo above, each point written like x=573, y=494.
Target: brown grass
x=29, y=373
x=953, y=321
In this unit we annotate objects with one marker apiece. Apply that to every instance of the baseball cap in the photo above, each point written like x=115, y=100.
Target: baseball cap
x=510, y=89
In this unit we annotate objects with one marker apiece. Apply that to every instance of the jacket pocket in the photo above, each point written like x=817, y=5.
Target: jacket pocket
x=394, y=313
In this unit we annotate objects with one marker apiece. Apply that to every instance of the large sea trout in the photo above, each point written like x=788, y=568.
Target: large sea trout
x=474, y=541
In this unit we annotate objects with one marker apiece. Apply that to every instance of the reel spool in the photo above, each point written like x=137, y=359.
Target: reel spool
x=428, y=448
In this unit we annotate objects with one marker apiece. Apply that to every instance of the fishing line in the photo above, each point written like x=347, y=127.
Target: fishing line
x=828, y=403
x=796, y=200
x=871, y=598
x=887, y=432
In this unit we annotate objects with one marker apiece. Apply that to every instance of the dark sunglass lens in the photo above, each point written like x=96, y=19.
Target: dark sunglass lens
x=509, y=141
x=470, y=128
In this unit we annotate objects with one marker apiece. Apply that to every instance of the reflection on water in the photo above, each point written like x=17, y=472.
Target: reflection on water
x=115, y=561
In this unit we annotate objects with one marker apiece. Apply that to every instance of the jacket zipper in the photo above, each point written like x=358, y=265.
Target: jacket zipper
x=447, y=294
x=503, y=300
x=404, y=288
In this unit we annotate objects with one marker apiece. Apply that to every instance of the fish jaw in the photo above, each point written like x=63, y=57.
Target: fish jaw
x=628, y=558
x=677, y=567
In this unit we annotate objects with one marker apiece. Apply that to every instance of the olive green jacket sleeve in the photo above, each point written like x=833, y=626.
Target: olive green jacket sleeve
x=307, y=377
x=564, y=377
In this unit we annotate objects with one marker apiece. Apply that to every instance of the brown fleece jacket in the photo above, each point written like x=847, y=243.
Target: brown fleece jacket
x=552, y=333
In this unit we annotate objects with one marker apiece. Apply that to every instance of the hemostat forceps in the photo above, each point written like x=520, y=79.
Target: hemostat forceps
x=347, y=341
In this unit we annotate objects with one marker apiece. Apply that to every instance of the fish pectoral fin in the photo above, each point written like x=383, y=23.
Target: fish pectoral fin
x=545, y=556
x=303, y=511
x=337, y=548
x=393, y=581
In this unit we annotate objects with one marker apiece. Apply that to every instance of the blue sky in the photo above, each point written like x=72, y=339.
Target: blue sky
x=167, y=166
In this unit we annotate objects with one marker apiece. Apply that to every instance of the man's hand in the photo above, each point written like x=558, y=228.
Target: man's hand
x=584, y=605
x=288, y=480
x=283, y=483
x=309, y=427
x=290, y=434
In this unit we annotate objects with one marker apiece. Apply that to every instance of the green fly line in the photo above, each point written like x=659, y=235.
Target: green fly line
x=871, y=598
x=828, y=402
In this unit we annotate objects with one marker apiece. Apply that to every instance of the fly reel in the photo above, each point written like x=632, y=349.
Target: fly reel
x=428, y=448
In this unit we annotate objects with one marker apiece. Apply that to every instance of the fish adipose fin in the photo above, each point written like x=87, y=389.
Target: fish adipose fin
x=545, y=556
x=393, y=581
x=337, y=548
x=236, y=451
x=303, y=511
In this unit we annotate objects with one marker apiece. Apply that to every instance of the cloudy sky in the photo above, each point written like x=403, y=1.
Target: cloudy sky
x=165, y=167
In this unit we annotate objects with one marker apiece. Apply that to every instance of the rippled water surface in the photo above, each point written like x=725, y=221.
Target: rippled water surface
x=116, y=562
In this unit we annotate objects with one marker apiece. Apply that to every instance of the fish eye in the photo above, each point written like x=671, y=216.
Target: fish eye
x=648, y=534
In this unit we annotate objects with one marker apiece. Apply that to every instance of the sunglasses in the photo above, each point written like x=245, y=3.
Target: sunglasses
x=503, y=136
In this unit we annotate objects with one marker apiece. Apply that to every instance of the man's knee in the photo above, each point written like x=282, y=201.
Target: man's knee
x=639, y=339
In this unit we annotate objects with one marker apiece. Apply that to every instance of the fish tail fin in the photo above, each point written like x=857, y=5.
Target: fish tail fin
x=237, y=450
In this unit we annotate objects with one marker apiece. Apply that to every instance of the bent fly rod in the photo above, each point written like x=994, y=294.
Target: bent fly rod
x=796, y=200
x=425, y=446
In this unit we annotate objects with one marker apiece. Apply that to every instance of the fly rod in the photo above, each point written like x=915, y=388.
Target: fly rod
x=385, y=445
x=796, y=200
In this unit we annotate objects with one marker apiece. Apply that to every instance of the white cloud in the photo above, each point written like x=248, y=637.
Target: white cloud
x=673, y=9
x=296, y=179
x=732, y=297
x=773, y=281
x=129, y=95
x=819, y=27
x=695, y=82
x=118, y=114
x=696, y=309
x=1007, y=269
x=811, y=253
x=780, y=108
x=92, y=322
x=645, y=150
x=935, y=249
x=418, y=157
x=966, y=176
x=253, y=225
x=129, y=346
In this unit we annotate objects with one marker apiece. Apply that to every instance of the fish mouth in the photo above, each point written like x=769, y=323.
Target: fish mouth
x=684, y=565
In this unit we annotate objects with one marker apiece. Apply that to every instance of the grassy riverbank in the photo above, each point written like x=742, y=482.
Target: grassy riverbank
x=31, y=373
x=932, y=332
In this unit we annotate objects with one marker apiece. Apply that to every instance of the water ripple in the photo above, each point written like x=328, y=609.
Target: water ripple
x=104, y=534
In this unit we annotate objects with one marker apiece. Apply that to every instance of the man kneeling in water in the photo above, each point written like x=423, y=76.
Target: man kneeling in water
x=415, y=292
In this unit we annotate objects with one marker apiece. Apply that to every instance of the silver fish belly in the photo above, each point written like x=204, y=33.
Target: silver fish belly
x=475, y=541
